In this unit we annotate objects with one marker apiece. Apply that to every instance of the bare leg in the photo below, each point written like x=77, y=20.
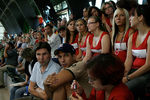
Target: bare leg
x=60, y=94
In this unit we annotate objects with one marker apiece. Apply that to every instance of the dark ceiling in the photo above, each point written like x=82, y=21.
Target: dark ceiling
x=21, y=15
x=17, y=15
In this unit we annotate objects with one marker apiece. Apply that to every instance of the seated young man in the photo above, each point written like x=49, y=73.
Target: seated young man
x=58, y=85
x=44, y=67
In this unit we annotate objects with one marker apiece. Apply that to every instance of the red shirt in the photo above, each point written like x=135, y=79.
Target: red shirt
x=83, y=47
x=108, y=22
x=122, y=53
x=137, y=52
x=119, y=92
x=97, y=49
x=75, y=44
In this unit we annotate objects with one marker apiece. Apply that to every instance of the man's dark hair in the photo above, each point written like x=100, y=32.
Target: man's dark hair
x=62, y=28
x=11, y=45
x=43, y=45
x=49, y=25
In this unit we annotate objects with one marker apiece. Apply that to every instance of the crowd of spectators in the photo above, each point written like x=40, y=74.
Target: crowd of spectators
x=107, y=49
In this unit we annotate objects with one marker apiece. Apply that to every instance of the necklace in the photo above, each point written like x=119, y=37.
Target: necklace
x=121, y=32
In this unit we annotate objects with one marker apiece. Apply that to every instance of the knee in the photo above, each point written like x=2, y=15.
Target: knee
x=18, y=93
x=13, y=90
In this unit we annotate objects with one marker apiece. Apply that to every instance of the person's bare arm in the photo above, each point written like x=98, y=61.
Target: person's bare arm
x=54, y=81
x=105, y=44
x=36, y=91
x=5, y=51
x=88, y=52
x=129, y=58
x=146, y=67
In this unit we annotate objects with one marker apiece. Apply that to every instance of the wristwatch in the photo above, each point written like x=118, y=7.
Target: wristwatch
x=128, y=78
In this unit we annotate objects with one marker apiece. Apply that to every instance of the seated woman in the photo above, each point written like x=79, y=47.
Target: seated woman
x=72, y=35
x=105, y=73
x=81, y=26
x=99, y=41
x=120, y=33
x=107, y=17
x=19, y=90
x=137, y=64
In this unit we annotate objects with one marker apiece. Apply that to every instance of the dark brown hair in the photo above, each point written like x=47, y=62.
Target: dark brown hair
x=106, y=67
x=68, y=32
x=43, y=45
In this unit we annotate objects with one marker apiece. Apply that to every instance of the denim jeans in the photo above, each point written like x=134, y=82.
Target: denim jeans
x=17, y=92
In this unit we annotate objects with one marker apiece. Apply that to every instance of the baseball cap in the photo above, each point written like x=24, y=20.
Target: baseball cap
x=65, y=47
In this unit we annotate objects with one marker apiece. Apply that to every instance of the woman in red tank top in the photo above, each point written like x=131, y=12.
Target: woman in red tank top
x=120, y=33
x=137, y=64
x=99, y=41
x=99, y=70
x=107, y=18
x=72, y=35
x=83, y=35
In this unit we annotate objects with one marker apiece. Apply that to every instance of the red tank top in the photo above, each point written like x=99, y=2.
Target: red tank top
x=75, y=44
x=139, y=53
x=83, y=47
x=108, y=22
x=122, y=53
x=97, y=49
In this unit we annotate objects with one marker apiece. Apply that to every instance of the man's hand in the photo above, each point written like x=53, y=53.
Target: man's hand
x=124, y=79
x=50, y=82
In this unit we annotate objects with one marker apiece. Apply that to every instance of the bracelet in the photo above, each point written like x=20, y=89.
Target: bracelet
x=128, y=78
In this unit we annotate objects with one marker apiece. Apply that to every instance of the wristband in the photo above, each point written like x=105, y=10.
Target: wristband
x=128, y=78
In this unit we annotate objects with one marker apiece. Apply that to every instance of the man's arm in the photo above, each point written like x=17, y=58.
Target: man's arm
x=55, y=80
x=5, y=51
x=36, y=91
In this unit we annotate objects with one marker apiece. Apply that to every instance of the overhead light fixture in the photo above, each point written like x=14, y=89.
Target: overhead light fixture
x=90, y=3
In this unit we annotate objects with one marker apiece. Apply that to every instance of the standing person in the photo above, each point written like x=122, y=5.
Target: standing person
x=11, y=56
x=99, y=41
x=72, y=35
x=99, y=70
x=44, y=67
x=120, y=33
x=137, y=64
x=52, y=38
x=81, y=26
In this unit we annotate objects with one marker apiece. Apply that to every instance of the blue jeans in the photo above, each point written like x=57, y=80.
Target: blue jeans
x=17, y=92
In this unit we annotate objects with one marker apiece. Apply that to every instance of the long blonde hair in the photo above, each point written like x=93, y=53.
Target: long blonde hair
x=115, y=27
x=80, y=34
